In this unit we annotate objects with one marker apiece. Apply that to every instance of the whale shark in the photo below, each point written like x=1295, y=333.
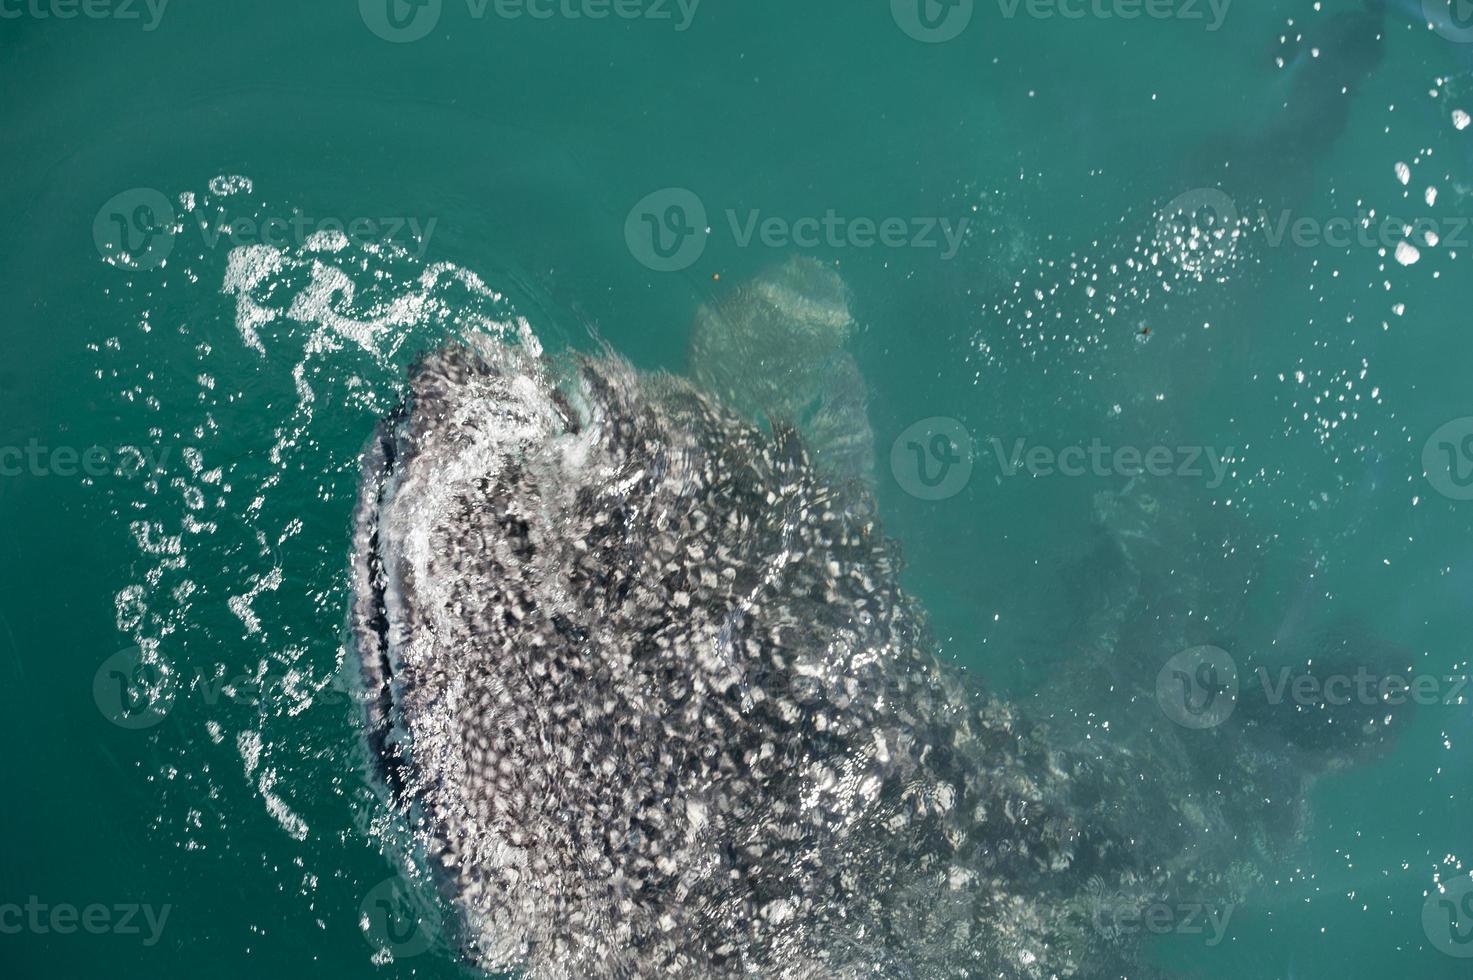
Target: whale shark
x=647, y=687
x=638, y=671
x=640, y=676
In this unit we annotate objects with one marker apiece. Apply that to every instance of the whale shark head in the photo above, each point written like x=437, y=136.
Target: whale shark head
x=643, y=684
x=655, y=705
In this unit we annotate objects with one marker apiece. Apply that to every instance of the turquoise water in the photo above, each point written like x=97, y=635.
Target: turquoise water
x=503, y=167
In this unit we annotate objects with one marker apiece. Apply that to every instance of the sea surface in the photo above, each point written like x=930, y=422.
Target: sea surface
x=1220, y=251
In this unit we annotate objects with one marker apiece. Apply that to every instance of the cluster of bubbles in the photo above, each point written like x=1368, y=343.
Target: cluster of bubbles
x=255, y=372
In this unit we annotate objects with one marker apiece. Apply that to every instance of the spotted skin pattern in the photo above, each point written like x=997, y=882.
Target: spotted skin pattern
x=645, y=686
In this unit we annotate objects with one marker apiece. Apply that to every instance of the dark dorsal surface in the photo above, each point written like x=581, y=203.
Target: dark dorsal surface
x=655, y=700
x=645, y=686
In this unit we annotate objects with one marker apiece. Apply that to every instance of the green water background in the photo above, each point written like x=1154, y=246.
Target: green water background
x=529, y=141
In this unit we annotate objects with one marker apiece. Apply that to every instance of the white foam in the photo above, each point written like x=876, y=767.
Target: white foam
x=294, y=825
x=245, y=268
x=241, y=604
x=330, y=293
x=329, y=240
x=227, y=185
x=249, y=745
